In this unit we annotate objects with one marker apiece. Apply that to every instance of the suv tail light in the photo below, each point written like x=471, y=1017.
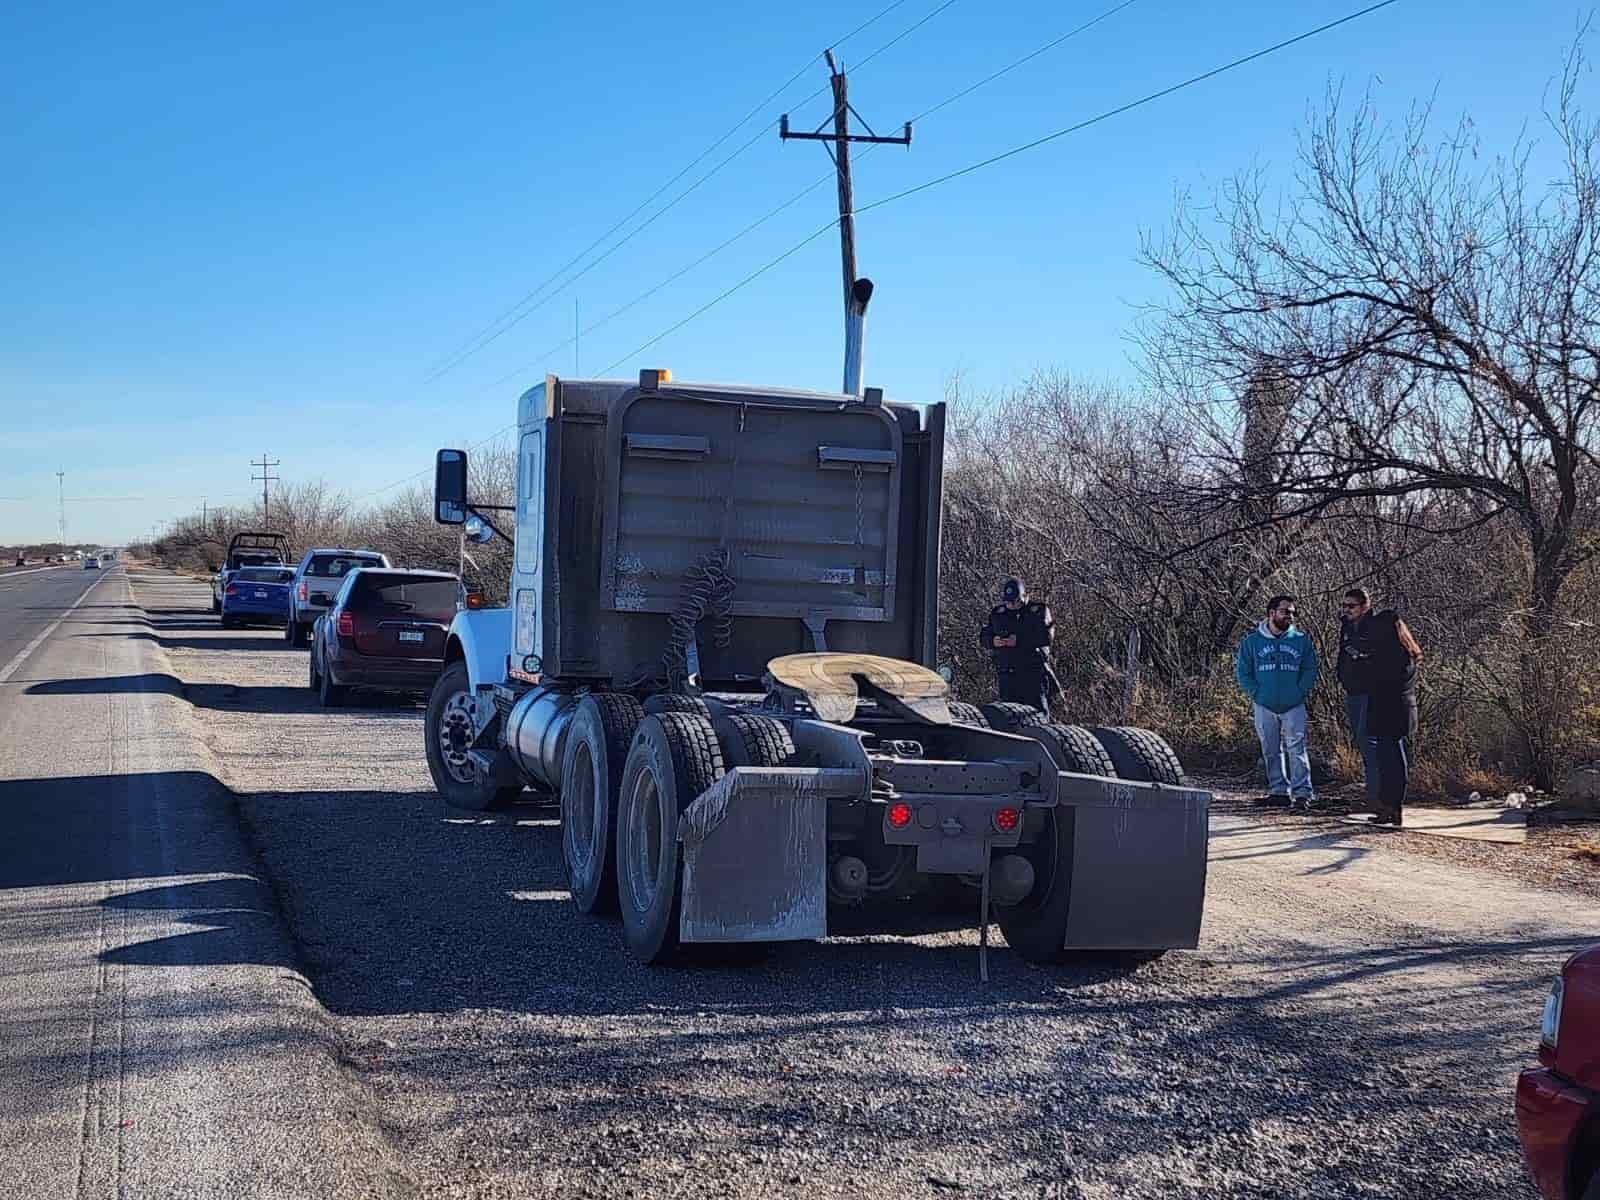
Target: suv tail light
x=231, y=590
x=346, y=626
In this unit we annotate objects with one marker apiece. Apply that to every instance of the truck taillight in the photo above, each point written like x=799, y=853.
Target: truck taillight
x=899, y=815
x=346, y=626
x=1006, y=820
x=305, y=593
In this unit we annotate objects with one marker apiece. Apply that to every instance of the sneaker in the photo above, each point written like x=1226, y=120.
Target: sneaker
x=1302, y=804
x=1275, y=801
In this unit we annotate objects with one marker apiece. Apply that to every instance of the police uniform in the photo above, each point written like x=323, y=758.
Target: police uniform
x=1019, y=669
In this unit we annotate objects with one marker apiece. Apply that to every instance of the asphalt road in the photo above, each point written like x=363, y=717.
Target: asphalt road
x=32, y=598
x=158, y=1040
x=1351, y=1026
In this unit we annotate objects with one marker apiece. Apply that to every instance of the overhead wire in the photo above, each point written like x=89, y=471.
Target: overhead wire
x=947, y=177
x=501, y=325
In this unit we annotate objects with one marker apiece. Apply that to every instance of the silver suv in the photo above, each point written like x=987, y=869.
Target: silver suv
x=316, y=581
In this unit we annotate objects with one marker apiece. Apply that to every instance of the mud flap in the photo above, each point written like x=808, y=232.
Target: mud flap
x=1138, y=863
x=755, y=854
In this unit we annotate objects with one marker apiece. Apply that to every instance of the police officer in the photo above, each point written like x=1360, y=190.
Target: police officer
x=1017, y=635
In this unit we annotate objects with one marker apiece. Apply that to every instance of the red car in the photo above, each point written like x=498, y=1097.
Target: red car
x=1558, y=1103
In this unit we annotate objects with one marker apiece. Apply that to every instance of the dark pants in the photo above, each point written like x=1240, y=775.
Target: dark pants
x=1355, y=711
x=1394, y=773
x=1387, y=763
x=1022, y=686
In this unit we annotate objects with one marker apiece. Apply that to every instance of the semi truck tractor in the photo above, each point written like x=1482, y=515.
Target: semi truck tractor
x=720, y=659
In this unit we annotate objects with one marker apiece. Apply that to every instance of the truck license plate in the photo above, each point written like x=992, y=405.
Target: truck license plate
x=410, y=635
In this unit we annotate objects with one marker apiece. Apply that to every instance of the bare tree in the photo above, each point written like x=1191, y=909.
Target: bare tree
x=1437, y=327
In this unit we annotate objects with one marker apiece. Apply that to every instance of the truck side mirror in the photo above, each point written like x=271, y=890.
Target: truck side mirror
x=450, y=487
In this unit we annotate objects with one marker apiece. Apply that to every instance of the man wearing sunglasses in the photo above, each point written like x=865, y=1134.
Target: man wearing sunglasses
x=1378, y=659
x=1276, y=668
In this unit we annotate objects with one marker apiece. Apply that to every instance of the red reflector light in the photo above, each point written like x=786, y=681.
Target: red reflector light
x=347, y=625
x=900, y=815
x=1007, y=819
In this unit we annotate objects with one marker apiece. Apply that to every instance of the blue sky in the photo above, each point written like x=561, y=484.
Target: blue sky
x=232, y=228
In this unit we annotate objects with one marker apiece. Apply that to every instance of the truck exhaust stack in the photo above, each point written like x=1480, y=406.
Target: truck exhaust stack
x=855, y=334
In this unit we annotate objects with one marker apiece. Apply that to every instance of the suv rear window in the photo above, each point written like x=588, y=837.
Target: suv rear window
x=337, y=566
x=428, y=597
x=265, y=575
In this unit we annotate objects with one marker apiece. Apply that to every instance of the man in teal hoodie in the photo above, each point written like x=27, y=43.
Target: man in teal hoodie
x=1276, y=668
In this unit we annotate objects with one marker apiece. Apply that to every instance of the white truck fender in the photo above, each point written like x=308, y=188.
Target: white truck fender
x=482, y=639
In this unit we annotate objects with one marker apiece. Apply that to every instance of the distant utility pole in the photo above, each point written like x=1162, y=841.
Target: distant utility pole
x=61, y=508
x=265, y=478
x=857, y=291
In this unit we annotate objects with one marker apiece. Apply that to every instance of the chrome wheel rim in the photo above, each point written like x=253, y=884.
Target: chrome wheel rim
x=456, y=731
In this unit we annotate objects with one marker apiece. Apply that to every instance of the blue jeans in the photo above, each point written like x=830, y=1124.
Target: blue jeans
x=1283, y=749
x=1355, y=711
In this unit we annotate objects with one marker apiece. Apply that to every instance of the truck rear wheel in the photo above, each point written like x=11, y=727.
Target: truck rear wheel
x=448, y=731
x=1007, y=715
x=1036, y=927
x=1140, y=754
x=591, y=779
x=674, y=758
x=753, y=740
x=968, y=714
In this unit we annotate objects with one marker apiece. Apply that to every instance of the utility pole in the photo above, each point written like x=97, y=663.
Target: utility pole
x=265, y=478
x=857, y=291
x=61, y=508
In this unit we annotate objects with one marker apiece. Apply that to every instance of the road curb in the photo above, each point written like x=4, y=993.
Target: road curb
x=290, y=990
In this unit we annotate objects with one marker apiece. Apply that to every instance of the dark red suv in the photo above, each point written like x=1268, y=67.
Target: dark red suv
x=384, y=632
x=1558, y=1102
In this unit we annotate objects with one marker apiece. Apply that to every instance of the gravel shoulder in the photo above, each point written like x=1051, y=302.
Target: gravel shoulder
x=1351, y=1025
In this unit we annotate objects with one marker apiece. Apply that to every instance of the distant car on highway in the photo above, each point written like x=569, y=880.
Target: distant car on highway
x=318, y=577
x=91, y=563
x=256, y=596
x=1558, y=1102
x=385, y=631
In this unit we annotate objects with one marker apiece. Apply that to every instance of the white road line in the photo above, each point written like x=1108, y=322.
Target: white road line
x=12, y=666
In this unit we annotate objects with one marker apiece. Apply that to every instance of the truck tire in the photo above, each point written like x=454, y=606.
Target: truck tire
x=315, y=683
x=674, y=702
x=1072, y=743
x=1140, y=754
x=753, y=740
x=445, y=735
x=291, y=632
x=1036, y=928
x=968, y=714
x=591, y=779
x=674, y=758
x=1006, y=715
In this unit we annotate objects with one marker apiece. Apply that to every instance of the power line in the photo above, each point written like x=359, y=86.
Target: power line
x=798, y=196
x=1006, y=154
x=489, y=333
x=419, y=474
